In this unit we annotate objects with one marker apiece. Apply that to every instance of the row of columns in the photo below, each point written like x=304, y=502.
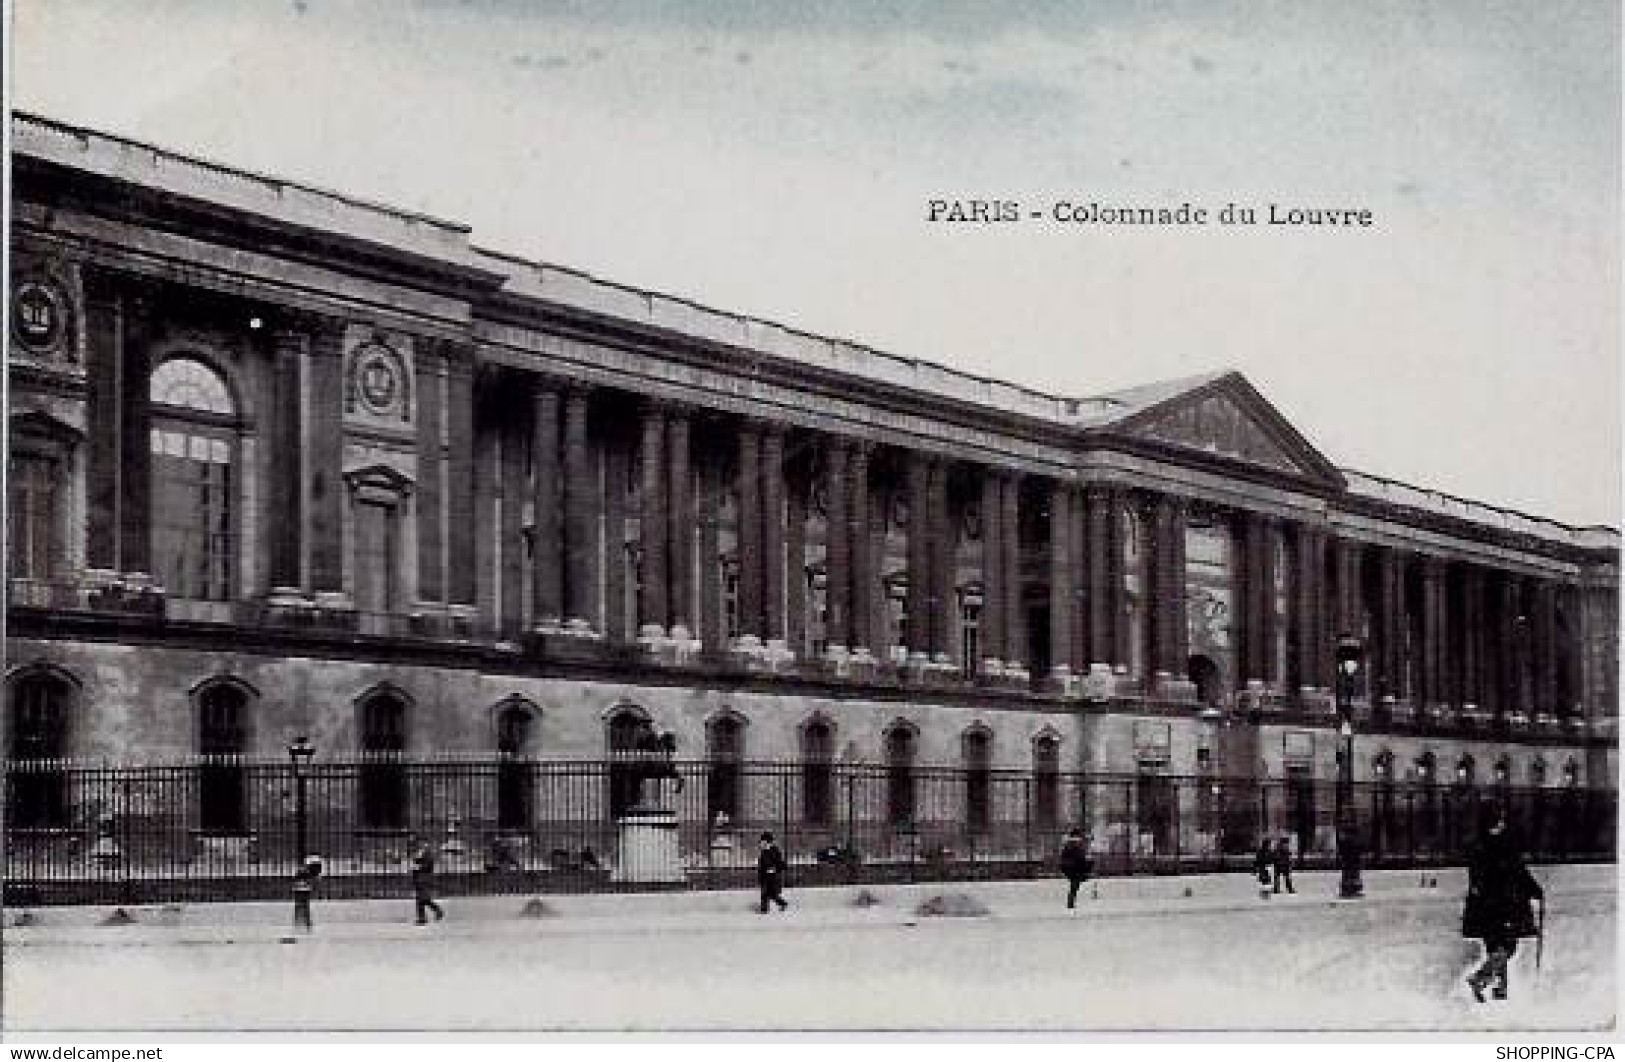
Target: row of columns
x=1329, y=592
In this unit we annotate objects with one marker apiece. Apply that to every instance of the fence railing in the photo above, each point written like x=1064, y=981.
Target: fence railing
x=231, y=827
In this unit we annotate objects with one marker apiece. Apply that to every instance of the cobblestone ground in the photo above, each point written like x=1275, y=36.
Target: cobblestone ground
x=1397, y=964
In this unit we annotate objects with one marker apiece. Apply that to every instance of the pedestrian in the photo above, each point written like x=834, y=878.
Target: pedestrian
x=1075, y=864
x=304, y=886
x=770, y=866
x=1283, y=863
x=1262, y=863
x=423, y=882
x=1498, y=910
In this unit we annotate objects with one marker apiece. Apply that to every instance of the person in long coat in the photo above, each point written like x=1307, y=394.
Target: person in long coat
x=770, y=867
x=1499, y=906
x=1075, y=864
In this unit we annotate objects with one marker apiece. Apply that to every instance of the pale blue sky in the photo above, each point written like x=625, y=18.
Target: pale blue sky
x=759, y=158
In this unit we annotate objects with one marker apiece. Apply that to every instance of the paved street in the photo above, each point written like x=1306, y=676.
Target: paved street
x=1219, y=959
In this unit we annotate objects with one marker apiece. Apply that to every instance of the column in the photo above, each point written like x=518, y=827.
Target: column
x=992, y=633
x=1571, y=603
x=1472, y=637
x=1509, y=698
x=713, y=629
x=943, y=536
x=653, y=517
x=512, y=488
x=462, y=521
x=1259, y=594
x=620, y=620
x=135, y=468
x=1432, y=673
x=1061, y=596
x=838, y=580
x=547, y=568
x=1307, y=619
x=581, y=496
x=1388, y=574
x=773, y=535
x=750, y=536
x=918, y=640
x=1102, y=631
x=1546, y=647
x=1166, y=598
x=326, y=464
x=795, y=565
x=1078, y=597
x=860, y=554
x=104, y=326
x=285, y=494
x=680, y=525
x=1015, y=622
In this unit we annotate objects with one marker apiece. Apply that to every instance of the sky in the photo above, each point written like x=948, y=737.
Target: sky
x=778, y=160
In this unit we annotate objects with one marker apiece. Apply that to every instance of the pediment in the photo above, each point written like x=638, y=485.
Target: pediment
x=1227, y=418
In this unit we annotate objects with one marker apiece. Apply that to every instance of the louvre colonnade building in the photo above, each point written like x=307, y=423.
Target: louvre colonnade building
x=284, y=462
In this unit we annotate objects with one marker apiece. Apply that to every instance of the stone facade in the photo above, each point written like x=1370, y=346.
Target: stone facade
x=317, y=449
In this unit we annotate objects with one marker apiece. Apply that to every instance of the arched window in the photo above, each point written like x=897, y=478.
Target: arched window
x=37, y=785
x=194, y=456
x=817, y=771
x=724, y=752
x=383, y=772
x=976, y=749
x=625, y=726
x=222, y=708
x=515, y=776
x=1046, y=781
x=901, y=743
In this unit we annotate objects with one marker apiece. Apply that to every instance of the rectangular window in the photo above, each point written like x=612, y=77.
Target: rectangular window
x=31, y=516
x=970, y=634
x=375, y=558
x=192, y=519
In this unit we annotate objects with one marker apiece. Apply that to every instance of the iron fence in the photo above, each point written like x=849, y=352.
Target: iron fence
x=230, y=828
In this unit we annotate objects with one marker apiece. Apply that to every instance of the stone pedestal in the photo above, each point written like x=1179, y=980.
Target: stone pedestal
x=646, y=848
x=646, y=838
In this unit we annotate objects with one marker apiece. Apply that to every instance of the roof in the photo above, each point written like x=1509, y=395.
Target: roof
x=414, y=233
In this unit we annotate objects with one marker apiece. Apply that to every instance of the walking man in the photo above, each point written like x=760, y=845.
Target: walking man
x=1283, y=863
x=1074, y=864
x=423, y=883
x=1263, y=860
x=1498, y=909
x=770, y=866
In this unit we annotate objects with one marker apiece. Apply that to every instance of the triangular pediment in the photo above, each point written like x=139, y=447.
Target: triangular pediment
x=1225, y=417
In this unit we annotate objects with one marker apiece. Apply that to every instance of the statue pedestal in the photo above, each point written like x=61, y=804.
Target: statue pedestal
x=646, y=848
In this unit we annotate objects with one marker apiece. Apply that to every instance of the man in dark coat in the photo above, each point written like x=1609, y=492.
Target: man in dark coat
x=423, y=884
x=1262, y=862
x=1498, y=909
x=1283, y=863
x=770, y=867
x=1074, y=864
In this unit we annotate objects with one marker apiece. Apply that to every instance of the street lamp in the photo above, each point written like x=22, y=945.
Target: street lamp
x=1350, y=656
x=300, y=753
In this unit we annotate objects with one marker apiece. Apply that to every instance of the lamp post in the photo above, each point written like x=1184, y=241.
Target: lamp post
x=1350, y=655
x=300, y=753
x=1211, y=716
